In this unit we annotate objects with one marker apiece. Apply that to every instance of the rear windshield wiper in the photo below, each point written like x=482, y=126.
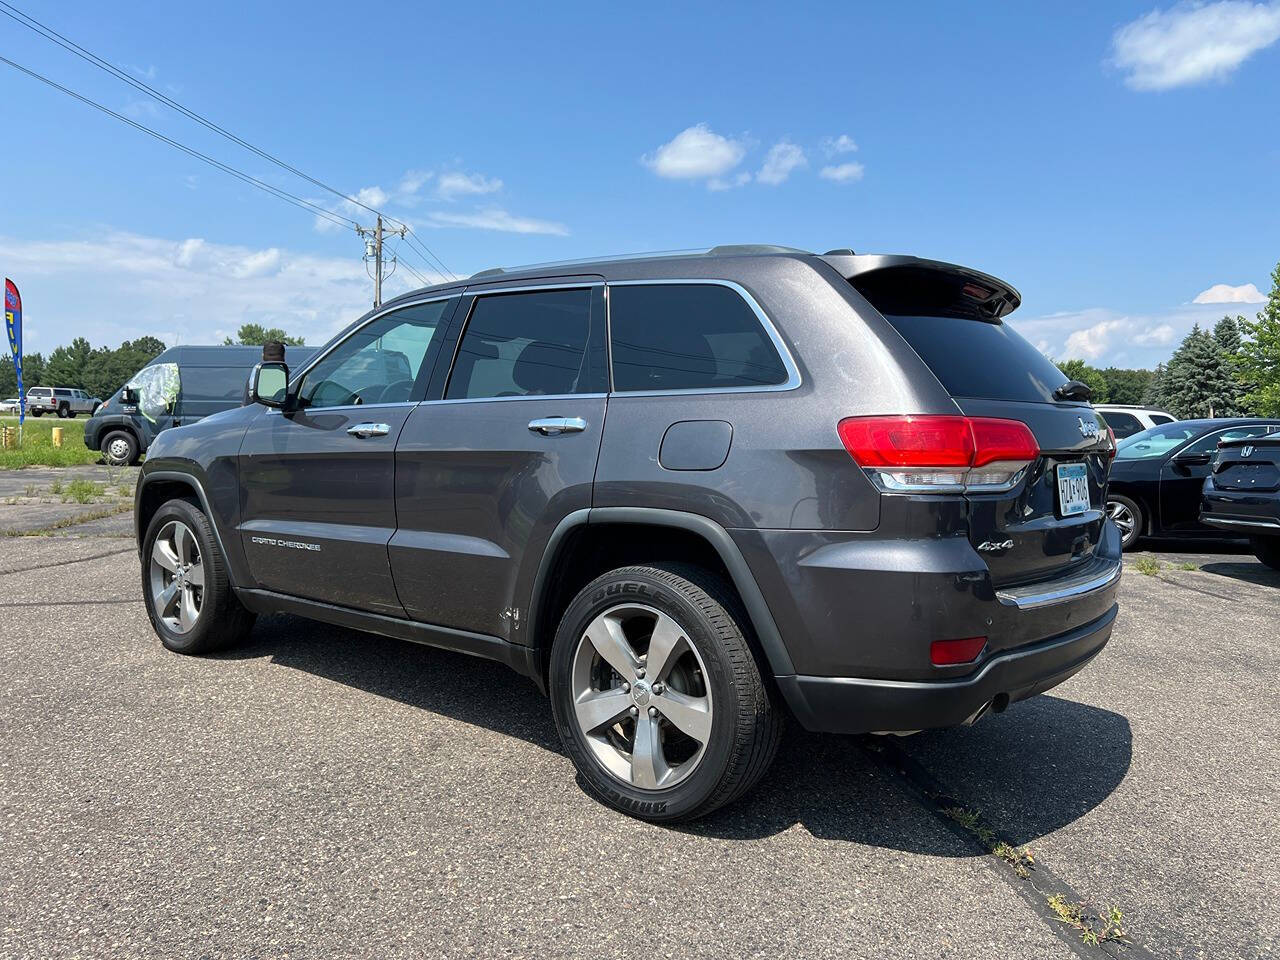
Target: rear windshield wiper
x=1073, y=390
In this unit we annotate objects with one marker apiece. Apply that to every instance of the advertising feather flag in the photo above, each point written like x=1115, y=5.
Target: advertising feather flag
x=13, y=327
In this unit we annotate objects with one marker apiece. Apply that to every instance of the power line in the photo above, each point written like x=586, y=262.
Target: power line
x=225, y=168
x=13, y=13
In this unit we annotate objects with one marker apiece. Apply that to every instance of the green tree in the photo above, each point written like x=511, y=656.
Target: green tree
x=1259, y=363
x=8, y=378
x=1090, y=376
x=1227, y=333
x=67, y=366
x=32, y=374
x=1200, y=380
x=1156, y=393
x=255, y=335
x=1126, y=386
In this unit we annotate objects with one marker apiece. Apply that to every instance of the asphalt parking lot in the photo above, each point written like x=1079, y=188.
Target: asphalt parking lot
x=323, y=793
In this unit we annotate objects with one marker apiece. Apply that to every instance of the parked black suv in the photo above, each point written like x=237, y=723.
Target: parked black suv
x=1242, y=493
x=684, y=494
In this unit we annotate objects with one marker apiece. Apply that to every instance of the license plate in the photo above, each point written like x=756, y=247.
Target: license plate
x=1073, y=489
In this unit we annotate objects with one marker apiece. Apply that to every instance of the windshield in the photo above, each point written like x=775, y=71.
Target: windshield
x=1155, y=442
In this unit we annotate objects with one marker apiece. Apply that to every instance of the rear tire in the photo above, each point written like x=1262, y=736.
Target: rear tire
x=119, y=448
x=189, y=599
x=695, y=733
x=1128, y=517
x=63, y=412
x=1267, y=549
x=37, y=413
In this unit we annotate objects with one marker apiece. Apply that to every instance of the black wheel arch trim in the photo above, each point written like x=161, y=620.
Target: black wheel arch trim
x=766, y=628
x=192, y=481
x=111, y=423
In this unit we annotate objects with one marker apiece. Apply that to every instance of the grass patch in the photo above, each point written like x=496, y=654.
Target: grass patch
x=1148, y=566
x=82, y=491
x=37, y=448
x=1019, y=858
x=1187, y=565
x=100, y=514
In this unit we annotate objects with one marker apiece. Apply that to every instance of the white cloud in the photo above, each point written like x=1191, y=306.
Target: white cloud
x=1091, y=342
x=456, y=184
x=1223, y=293
x=1161, y=335
x=739, y=179
x=1193, y=42
x=842, y=172
x=494, y=218
x=412, y=182
x=696, y=153
x=115, y=286
x=783, y=157
x=832, y=146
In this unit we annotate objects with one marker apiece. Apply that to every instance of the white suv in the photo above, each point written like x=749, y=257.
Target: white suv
x=1125, y=420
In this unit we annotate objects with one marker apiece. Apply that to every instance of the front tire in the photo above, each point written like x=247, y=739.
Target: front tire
x=119, y=448
x=656, y=694
x=1267, y=549
x=184, y=583
x=1127, y=515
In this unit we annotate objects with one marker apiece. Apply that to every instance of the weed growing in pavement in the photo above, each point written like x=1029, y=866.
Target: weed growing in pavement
x=56, y=487
x=1018, y=858
x=1093, y=930
x=99, y=514
x=82, y=491
x=1147, y=565
x=29, y=490
x=1187, y=565
x=124, y=490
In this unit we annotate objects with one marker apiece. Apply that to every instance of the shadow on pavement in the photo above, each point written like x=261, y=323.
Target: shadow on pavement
x=1248, y=571
x=1032, y=770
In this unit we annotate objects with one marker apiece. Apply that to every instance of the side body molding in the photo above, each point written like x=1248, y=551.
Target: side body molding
x=766, y=628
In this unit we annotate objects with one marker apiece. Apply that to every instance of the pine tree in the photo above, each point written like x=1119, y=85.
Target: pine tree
x=1260, y=354
x=1200, y=381
x=1155, y=393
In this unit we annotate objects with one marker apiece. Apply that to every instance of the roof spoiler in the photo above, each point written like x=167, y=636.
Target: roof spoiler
x=906, y=286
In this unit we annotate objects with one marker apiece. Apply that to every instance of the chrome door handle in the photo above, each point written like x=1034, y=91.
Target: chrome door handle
x=366, y=430
x=551, y=426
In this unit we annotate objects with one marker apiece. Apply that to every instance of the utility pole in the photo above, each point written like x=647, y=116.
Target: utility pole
x=373, y=251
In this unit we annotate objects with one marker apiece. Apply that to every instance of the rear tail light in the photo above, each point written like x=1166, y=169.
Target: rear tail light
x=940, y=454
x=1111, y=448
x=946, y=653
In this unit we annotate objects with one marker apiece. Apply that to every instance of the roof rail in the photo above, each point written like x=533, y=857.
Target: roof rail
x=491, y=272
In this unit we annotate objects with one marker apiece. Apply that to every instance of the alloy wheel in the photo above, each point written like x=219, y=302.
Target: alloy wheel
x=177, y=577
x=640, y=696
x=1124, y=519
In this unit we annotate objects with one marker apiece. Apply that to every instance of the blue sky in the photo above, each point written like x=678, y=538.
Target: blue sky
x=1114, y=161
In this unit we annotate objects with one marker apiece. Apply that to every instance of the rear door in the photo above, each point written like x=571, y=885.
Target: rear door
x=318, y=482
x=501, y=452
x=1052, y=518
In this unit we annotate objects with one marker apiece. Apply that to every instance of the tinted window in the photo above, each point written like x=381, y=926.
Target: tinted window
x=975, y=358
x=1209, y=444
x=1123, y=424
x=63, y=393
x=223, y=385
x=524, y=344
x=1160, y=418
x=378, y=363
x=688, y=337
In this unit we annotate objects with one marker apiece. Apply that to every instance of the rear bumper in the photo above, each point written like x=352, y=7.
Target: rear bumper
x=1241, y=512
x=864, y=705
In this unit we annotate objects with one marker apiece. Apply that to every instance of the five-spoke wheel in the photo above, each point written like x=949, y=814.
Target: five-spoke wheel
x=177, y=577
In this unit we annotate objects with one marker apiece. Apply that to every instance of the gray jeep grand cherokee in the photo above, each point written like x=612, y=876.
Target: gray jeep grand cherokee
x=685, y=494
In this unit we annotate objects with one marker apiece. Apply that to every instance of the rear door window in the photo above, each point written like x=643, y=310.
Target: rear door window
x=1122, y=424
x=980, y=358
x=526, y=344
x=689, y=336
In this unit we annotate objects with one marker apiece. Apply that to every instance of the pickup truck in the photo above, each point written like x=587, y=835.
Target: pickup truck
x=64, y=401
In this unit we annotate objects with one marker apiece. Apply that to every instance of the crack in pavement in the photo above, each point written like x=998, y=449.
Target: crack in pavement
x=65, y=563
x=932, y=794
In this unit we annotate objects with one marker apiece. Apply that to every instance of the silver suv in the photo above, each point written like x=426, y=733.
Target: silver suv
x=64, y=401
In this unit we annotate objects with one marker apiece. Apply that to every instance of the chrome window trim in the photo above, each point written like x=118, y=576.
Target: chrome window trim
x=1261, y=522
x=276, y=411
x=784, y=352
x=466, y=322
x=523, y=396
x=306, y=368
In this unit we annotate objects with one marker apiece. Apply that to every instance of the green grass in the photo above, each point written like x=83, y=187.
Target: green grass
x=82, y=491
x=1147, y=565
x=37, y=444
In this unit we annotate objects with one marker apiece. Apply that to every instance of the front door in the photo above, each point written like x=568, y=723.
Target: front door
x=318, y=481
x=485, y=473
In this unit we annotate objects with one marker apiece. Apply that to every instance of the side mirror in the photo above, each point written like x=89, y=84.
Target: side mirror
x=269, y=384
x=128, y=395
x=1192, y=459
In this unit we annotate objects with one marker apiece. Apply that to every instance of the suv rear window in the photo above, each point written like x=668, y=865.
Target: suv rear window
x=981, y=359
x=1122, y=424
x=688, y=336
